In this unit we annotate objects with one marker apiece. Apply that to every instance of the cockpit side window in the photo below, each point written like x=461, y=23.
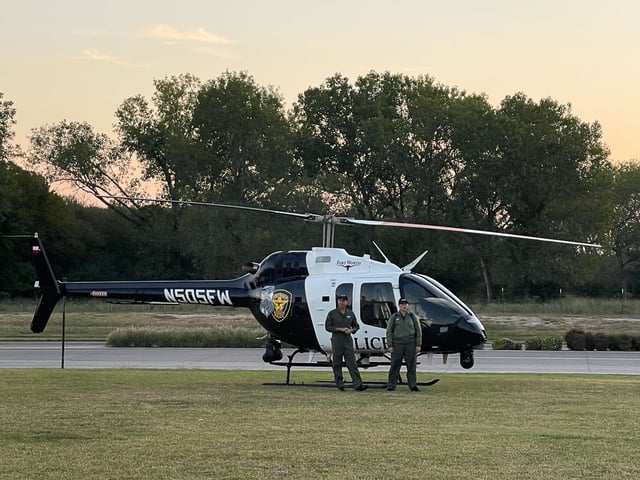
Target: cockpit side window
x=345, y=289
x=377, y=303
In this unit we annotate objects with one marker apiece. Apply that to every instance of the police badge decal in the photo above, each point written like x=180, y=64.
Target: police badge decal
x=276, y=303
x=282, y=304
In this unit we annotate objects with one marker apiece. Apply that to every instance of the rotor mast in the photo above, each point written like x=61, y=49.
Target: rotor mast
x=328, y=230
x=328, y=227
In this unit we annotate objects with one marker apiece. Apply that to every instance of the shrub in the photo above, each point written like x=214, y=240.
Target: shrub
x=545, y=343
x=551, y=343
x=600, y=341
x=506, y=344
x=576, y=339
x=621, y=342
x=534, y=343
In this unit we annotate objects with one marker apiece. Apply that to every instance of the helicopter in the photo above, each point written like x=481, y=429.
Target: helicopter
x=290, y=293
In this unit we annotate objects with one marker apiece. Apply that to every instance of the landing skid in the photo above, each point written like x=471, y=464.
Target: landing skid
x=330, y=384
x=370, y=384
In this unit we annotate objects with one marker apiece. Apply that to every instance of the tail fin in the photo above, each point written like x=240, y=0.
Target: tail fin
x=49, y=286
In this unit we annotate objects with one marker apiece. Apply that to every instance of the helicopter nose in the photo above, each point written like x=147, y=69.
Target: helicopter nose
x=474, y=330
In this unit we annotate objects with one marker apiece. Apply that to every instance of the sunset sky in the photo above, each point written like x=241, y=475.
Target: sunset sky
x=78, y=60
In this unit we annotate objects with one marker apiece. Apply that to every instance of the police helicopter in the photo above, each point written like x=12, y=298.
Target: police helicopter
x=290, y=293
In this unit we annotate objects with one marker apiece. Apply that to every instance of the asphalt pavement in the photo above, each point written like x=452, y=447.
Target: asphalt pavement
x=97, y=355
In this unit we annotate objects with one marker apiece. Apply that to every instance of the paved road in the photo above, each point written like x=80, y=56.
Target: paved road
x=96, y=355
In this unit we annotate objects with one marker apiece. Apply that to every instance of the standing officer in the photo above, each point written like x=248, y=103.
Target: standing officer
x=404, y=338
x=341, y=322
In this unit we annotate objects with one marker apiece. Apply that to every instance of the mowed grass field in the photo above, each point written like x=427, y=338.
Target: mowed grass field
x=178, y=424
x=146, y=424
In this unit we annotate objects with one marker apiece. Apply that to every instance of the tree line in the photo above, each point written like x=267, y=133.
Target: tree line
x=383, y=147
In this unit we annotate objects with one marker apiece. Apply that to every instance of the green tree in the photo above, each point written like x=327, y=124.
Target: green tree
x=162, y=134
x=355, y=142
x=475, y=182
x=26, y=207
x=7, y=121
x=435, y=164
x=225, y=141
x=163, y=138
x=16, y=208
x=555, y=166
x=625, y=238
x=376, y=150
x=71, y=152
x=393, y=147
x=245, y=135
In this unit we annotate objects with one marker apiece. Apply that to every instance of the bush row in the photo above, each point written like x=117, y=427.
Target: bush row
x=535, y=343
x=198, y=338
x=575, y=339
x=580, y=340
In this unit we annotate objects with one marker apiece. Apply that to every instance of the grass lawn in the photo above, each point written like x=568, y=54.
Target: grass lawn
x=179, y=424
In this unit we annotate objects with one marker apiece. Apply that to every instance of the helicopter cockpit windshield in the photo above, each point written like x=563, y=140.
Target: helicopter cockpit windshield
x=430, y=302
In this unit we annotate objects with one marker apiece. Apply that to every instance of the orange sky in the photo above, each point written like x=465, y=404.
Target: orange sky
x=79, y=60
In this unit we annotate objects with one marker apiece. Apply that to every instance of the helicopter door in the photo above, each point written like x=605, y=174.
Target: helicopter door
x=377, y=303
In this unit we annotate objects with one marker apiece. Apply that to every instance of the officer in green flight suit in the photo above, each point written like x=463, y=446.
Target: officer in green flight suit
x=404, y=339
x=341, y=322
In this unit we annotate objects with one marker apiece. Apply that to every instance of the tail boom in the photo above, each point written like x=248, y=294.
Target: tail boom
x=231, y=293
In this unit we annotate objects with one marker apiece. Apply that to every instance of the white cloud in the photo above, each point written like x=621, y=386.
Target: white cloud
x=99, y=56
x=173, y=35
x=94, y=54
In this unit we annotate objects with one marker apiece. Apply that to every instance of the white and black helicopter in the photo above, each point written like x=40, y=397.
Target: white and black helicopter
x=290, y=293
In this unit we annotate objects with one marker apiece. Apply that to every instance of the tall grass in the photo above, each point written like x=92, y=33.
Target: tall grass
x=95, y=321
x=564, y=306
x=569, y=305
x=222, y=326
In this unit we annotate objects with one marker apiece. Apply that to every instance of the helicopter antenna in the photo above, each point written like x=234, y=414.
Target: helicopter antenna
x=381, y=252
x=409, y=267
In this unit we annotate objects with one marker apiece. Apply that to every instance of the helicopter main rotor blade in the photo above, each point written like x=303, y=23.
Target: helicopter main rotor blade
x=307, y=216
x=465, y=230
x=330, y=220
